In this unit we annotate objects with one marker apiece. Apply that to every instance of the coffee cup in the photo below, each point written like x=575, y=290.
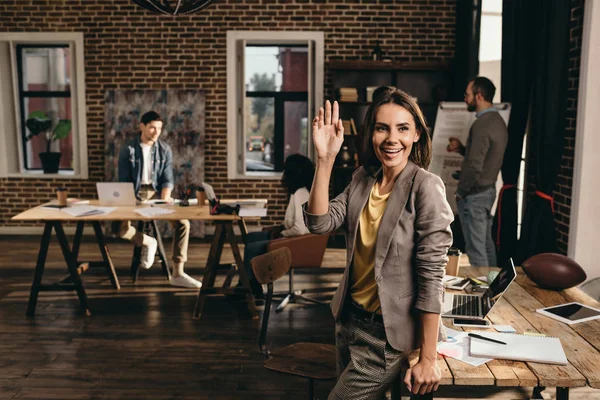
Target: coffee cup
x=201, y=196
x=453, y=261
x=61, y=196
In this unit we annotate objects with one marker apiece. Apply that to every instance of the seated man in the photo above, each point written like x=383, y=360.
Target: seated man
x=148, y=163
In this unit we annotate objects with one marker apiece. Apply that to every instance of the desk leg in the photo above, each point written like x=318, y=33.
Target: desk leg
x=39, y=269
x=72, y=266
x=537, y=392
x=77, y=240
x=241, y=271
x=562, y=393
x=108, y=264
x=210, y=271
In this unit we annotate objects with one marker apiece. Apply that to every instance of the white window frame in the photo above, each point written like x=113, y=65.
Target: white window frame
x=11, y=165
x=236, y=41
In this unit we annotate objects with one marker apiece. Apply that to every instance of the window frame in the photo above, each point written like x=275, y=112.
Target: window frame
x=11, y=125
x=236, y=93
x=23, y=94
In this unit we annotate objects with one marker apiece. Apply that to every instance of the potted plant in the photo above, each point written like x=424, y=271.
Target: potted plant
x=38, y=123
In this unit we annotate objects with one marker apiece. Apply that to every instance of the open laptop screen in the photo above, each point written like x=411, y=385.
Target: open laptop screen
x=498, y=287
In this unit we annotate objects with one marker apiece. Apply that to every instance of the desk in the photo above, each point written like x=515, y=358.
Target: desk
x=581, y=342
x=54, y=219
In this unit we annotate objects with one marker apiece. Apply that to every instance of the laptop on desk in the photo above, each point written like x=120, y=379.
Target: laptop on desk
x=468, y=306
x=116, y=194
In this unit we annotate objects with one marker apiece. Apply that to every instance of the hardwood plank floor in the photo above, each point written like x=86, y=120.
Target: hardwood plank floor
x=141, y=342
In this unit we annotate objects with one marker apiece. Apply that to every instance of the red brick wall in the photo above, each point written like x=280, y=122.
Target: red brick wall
x=127, y=47
x=564, y=182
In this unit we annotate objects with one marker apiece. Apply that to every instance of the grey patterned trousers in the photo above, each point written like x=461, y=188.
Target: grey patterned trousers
x=366, y=363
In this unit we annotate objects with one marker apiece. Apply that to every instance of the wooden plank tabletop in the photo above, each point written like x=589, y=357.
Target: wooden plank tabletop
x=126, y=213
x=517, y=307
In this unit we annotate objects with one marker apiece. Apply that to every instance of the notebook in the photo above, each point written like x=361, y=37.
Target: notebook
x=542, y=349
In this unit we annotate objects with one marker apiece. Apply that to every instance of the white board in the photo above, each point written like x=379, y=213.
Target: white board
x=453, y=120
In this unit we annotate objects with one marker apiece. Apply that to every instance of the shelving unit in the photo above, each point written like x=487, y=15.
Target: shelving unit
x=429, y=82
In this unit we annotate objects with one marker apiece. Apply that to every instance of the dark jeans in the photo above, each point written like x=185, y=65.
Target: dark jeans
x=256, y=245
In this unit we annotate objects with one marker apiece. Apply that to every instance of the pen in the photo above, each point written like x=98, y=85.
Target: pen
x=485, y=338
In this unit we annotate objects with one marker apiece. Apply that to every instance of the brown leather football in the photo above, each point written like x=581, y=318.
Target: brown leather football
x=553, y=271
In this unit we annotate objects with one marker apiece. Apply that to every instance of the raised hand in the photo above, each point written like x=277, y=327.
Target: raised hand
x=328, y=131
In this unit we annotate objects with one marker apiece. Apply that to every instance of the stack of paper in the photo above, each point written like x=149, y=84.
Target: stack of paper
x=86, y=211
x=252, y=212
x=153, y=211
x=457, y=346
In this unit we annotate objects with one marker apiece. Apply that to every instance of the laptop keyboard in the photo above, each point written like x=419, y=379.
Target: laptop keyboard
x=465, y=305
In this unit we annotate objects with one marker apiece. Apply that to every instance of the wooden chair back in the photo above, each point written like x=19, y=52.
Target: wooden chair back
x=268, y=268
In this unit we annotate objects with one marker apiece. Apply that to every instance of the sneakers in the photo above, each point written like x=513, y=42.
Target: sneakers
x=148, y=254
x=185, y=281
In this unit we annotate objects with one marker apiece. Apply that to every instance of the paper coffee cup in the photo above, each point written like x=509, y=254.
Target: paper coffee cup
x=61, y=196
x=453, y=261
x=201, y=196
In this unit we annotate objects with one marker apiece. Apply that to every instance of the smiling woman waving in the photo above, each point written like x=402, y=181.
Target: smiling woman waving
x=397, y=224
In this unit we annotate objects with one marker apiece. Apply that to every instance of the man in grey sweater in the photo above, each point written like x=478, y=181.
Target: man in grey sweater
x=483, y=154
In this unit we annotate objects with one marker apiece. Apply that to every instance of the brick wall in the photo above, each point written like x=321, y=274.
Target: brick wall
x=562, y=193
x=127, y=47
x=564, y=181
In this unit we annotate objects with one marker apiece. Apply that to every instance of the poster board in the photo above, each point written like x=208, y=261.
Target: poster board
x=453, y=120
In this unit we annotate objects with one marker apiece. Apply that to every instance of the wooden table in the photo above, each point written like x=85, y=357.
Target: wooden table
x=581, y=342
x=54, y=219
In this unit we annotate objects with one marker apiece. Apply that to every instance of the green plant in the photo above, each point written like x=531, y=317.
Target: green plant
x=38, y=123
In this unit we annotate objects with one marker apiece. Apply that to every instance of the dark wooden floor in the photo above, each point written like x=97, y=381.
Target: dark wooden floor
x=142, y=343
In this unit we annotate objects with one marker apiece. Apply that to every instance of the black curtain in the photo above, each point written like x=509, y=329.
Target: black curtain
x=517, y=83
x=466, y=52
x=549, y=30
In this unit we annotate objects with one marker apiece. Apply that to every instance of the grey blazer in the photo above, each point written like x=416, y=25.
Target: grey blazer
x=410, y=254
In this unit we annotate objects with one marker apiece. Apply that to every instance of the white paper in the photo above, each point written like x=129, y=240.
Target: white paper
x=504, y=328
x=457, y=346
x=252, y=212
x=153, y=211
x=85, y=210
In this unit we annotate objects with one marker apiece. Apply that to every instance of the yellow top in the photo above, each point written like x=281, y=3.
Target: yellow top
x=364, y=287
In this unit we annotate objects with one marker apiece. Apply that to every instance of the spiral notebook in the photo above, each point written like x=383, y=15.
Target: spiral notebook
x=542, y=349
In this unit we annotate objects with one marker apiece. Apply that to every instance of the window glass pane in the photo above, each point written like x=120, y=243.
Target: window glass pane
x=46, y=68
x=55, y=109
x=490, y=43
x=491, y=6
x=259, y=135
x=276, y=68
x=296, y=128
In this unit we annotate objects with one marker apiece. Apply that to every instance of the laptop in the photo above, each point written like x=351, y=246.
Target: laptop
x=116, y=194
x=469, y=306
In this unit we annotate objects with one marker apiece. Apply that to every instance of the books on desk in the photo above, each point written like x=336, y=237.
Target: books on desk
x=542, y=349
x=86, y=211
x=53, y=205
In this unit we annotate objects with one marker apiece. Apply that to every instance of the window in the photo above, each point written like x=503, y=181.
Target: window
x=490, y=43
x=275, y=82
x=42, y=96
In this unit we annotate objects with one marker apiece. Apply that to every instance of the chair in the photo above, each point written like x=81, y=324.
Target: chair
x=149, y=228
x=307, y=252
x=309, y=360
